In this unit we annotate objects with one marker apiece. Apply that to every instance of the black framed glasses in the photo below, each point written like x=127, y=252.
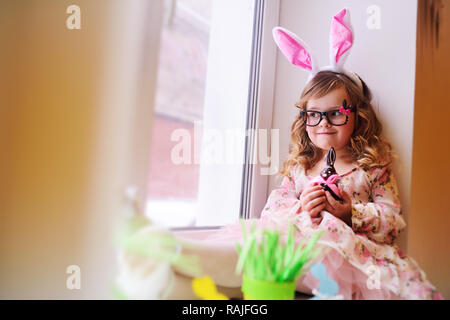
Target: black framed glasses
x=337, y=117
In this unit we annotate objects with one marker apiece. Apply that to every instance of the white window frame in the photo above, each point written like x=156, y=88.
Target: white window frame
x=257, y=183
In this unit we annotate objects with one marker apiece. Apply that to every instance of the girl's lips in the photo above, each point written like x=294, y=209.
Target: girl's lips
x=327, y=133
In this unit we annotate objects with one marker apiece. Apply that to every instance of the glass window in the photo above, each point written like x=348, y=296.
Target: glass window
x=198, y=137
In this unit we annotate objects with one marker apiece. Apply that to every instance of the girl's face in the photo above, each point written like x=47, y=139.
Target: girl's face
x=326, y=135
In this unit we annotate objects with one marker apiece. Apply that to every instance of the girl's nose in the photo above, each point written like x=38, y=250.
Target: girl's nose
x=324, y=122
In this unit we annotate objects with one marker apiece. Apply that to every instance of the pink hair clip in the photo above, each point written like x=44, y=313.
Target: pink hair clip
x=344, y=110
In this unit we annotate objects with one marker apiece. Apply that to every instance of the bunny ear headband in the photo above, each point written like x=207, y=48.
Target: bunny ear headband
x=341, y=41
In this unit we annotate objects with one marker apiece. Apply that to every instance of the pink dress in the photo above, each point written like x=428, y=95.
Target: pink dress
x=362, y=259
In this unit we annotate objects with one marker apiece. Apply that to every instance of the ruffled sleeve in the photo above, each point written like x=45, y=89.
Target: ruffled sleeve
x=381, y=218
x=283, y=199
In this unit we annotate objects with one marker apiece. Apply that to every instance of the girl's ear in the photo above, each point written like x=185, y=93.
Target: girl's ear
x=341, y=39
x=294, y=49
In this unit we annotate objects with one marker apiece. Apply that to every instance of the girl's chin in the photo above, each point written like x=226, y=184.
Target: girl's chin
x=327, y=146
x=326, y=142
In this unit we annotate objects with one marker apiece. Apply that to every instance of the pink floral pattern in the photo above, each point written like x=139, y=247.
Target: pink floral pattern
x=370, y=242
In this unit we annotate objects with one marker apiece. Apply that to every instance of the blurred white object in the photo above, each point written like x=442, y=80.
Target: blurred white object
x=171, y=213
x=145, y=277
x=140, y=278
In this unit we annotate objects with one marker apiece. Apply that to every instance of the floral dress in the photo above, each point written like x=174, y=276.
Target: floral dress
x=363, y=259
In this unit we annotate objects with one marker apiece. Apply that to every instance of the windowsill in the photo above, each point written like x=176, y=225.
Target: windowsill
x=182, y=229
x=194, y=233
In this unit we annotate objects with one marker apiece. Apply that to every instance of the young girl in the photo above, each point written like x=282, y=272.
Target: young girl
x=360, y=231
x=335, y=111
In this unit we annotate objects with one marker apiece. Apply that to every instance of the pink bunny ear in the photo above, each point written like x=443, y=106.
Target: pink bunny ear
x=294, y=49
x=341, y=38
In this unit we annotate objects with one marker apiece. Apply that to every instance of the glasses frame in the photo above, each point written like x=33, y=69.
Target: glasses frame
x=325, y=113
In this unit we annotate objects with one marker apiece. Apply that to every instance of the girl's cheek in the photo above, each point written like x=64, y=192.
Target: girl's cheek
x=310, y=130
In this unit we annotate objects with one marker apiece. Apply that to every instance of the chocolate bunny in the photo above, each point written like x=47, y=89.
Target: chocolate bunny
x=329, y=171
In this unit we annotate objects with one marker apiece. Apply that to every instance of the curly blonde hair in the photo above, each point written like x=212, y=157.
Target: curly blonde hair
x=367, y=147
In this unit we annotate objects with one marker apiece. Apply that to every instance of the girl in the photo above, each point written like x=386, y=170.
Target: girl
x=360, y=231
x=335, y=111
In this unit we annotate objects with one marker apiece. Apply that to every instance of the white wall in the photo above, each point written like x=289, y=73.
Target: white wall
x=384, y=58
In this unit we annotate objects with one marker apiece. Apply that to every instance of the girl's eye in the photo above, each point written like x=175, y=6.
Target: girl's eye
x=314, y=114
x=335, y=113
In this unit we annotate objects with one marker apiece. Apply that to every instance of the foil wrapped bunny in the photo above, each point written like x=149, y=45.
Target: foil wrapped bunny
x=328, y=177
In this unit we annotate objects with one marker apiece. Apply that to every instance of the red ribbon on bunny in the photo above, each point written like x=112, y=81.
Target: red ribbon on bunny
x=328, y=177
x=331, y=182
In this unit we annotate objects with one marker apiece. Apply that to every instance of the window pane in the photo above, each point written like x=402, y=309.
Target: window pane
x=179, y=102
x=202, y=85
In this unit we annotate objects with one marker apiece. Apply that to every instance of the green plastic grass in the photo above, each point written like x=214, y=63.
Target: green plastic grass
x=264, y=256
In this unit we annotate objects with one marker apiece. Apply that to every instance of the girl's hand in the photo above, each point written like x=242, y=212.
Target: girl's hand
x=313, y=200
x=343, y=210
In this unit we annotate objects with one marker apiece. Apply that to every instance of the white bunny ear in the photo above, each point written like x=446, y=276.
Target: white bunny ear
x=341, y=39
x=294, y=49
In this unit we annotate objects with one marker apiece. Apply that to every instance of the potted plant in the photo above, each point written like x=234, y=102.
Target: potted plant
x=270, y=265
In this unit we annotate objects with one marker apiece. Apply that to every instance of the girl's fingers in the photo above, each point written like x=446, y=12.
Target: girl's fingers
x=315, y=194
x=329, y=208
x=310, y=194
x=333, y=203
x=309, y=190
x=346, y=197
x=314, y=203
x=316, y=211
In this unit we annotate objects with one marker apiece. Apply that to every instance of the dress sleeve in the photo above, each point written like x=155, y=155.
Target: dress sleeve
x=283, y=199
x=380, y=219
